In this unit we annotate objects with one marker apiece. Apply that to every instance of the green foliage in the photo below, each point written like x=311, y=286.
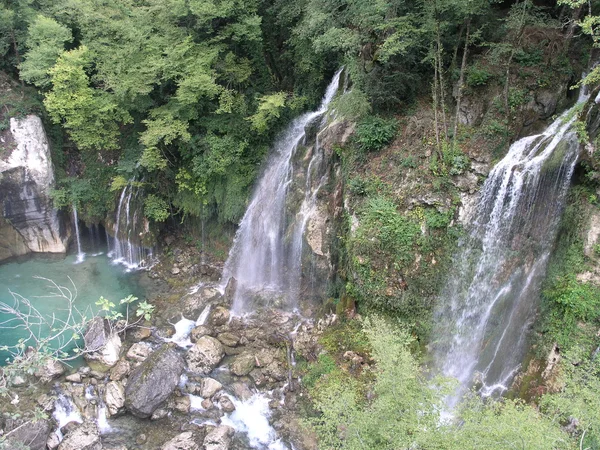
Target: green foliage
x=91, y=117
x=156, y=208
x=353, y=105
x=269, y=109
x=374, y=133
x=477, y=76
x=579, y=396
x=384, y=229
x=324, y=365
x=46, y=40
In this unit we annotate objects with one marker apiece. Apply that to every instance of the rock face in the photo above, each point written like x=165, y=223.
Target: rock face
x=28, y=223
x=153, y=381
x=183, y=441
x=204, y=356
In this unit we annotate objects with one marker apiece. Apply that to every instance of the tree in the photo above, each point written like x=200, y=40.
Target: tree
x=45, y=42
x=90, y=116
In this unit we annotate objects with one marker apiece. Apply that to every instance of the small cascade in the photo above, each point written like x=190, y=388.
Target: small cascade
x=65, y=412
x=124, y=248
x=489, y=302
x=265, y=259
x=80, y=254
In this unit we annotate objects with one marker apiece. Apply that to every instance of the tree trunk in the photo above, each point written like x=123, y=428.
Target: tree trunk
x=461, y=80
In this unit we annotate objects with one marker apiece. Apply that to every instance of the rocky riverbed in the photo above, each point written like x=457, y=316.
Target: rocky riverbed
x=196, y=377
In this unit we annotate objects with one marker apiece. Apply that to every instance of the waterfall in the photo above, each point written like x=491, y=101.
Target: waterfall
x=263, y=260
x=80, y=254
x=123, y=249
x=489, y=302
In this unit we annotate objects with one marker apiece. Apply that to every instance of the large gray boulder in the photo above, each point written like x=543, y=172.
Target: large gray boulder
x=84, y=437
x=205, y=355
x=153, y=381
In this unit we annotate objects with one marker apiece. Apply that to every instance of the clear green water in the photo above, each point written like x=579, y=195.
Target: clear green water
x=94, y=277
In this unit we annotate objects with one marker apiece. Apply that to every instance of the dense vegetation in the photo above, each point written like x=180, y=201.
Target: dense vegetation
x=184, y=97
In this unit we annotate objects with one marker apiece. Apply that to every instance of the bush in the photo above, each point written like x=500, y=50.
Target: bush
x=374, y=133
x=477, y=76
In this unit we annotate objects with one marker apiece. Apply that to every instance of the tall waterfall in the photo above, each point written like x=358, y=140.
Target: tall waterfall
x=124, y=246
x=266, y=256
x=488, y=305
x=80, y=254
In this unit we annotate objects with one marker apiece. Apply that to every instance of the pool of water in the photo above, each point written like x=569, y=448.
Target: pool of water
x=87, y=281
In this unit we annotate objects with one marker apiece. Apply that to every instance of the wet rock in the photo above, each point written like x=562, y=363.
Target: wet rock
x=114, y=397
x=183, y=441
x=241, y=391
x=207, y=403
x=53, y=441
x=74, y=378
x=228, y=339
x=205, y=355
x=153, y=381
x=242, y=364
x=200, y=331
x=120, y=370
x=84, y=437
x=101, y=343
x=219, y=316
x=230, y=290
x=182, y=404
x=139, y=333
x=139, y=351
x=49, y=370
x=160, y=413
x=226, y=404
x=210, y=387
x=33, y=435
x=219, y=438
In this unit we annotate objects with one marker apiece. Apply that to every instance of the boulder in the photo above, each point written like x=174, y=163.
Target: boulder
x=49, y=370
x=242, y=364
x=101, y=343
x=219, y=438
x=120, y=370
x=84, y=437
x=210, y=387
x=183, y=441
x=205, y=355
x=226, y=404
x=31, y=435
x=139, y=351
x=219, y=316
x=200, y=331
x=114, y=397
x=153, y=381
x=228, y=339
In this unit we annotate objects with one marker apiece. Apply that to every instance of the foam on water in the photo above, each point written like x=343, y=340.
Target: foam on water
x=252, y=419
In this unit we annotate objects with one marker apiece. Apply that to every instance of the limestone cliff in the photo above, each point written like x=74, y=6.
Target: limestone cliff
x=29, y=222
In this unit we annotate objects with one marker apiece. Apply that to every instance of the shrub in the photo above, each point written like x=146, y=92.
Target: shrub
x=477, y=76
x=374, y=133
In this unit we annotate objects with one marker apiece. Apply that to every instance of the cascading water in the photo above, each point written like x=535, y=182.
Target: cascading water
x=489, y=302
x=265, y=259
x=80, y=254
x=123, y=249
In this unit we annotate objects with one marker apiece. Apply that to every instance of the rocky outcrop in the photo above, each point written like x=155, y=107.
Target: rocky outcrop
x=153, y=381
x=28, y=434
x=29, y=222
x=183, y=441
x=219, y=438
